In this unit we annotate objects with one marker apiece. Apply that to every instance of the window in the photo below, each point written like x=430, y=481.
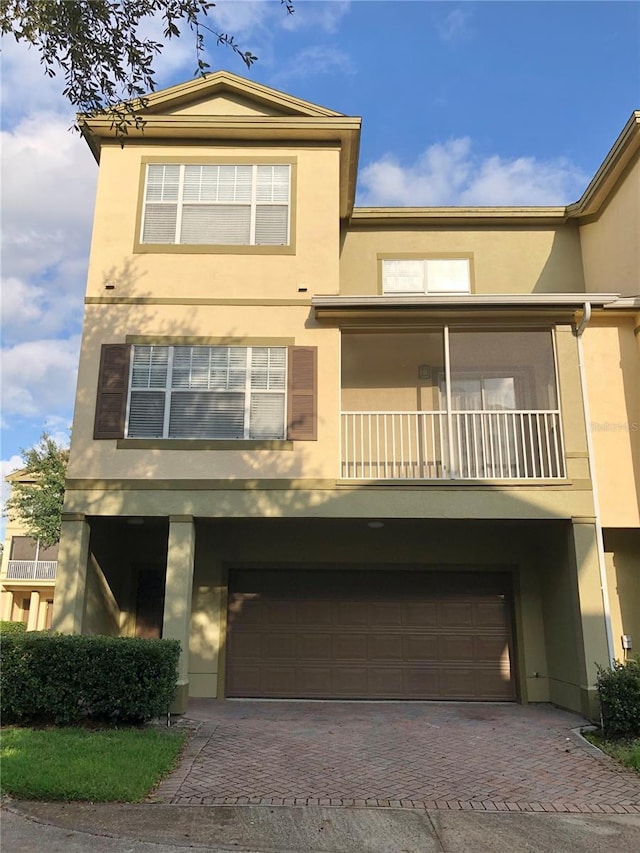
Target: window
x=227, y=205
x=208, y=392
x=426, y=275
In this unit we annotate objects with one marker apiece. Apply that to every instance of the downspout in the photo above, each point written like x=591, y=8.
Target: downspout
x=604, y=586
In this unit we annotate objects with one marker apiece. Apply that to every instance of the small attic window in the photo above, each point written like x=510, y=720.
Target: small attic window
x=216, y=204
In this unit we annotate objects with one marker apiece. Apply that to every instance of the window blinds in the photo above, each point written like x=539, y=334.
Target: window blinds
x=216, y=204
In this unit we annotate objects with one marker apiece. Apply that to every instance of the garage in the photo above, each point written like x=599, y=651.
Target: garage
x=370, y=633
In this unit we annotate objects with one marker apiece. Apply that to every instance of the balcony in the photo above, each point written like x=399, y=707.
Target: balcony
x=436, y=445
x=25, y=570
x=450, y=404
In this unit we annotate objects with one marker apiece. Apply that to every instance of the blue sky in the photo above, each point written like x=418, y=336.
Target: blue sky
x=462, y=104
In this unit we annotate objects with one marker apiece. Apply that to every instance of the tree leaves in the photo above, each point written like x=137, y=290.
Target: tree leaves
x=37, y=500
x=101, y=50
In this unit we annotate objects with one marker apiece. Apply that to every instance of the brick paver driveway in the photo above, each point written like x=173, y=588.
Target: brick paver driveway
x=493, y=757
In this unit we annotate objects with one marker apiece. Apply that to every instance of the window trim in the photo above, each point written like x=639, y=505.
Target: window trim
x=205, y=248
x=426, y=256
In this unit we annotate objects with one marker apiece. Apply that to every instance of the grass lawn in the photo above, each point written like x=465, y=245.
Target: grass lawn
x=107, y=765
x=626, y=751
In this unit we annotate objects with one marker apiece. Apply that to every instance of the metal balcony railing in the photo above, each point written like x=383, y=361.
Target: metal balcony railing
x=23, y=570
x=436, y=445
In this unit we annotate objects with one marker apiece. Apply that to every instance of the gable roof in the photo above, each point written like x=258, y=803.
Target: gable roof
x=266, y=116
x=202, y=89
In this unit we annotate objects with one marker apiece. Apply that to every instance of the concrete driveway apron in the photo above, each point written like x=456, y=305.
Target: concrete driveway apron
x=418, y=755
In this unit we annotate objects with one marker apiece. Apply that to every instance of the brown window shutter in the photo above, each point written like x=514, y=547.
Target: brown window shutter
x=302, y=414
x=111, y=405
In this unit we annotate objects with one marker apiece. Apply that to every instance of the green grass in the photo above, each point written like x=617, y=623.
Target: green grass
x=624, y=750
x=110, y=765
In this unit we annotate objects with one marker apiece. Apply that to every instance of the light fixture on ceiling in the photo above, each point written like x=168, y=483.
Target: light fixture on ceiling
x=135, y=522
x=375, y=525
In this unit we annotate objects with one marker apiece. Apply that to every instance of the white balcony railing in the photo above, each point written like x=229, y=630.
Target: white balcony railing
x=23, y=570
x=496, y=445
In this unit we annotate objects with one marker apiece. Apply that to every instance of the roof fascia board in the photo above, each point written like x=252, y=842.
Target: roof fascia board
x=622, y=151
x=394, y=216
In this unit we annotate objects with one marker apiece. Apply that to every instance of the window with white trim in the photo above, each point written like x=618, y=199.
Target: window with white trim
x=226, y=205
x=207, y=392
x=426, y=275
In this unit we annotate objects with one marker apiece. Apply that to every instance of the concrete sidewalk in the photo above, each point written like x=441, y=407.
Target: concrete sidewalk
x=105, y=828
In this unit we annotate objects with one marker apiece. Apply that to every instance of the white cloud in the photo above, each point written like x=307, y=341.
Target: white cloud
x=313, y=61
x=454, y=27
x=450, y=173
x=39, y=378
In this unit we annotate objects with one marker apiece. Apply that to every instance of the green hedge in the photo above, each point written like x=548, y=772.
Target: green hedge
x=69, y=679
x=619, y=692
x=12, y=627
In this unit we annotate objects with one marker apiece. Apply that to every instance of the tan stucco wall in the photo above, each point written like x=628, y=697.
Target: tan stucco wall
x=610, y=245
x=612, y=362
x=504, y=259
x=207, y=275
x=622, y=554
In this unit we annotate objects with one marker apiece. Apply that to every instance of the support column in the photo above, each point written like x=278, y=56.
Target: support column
x=177, y=598
x=594, y=649
x=71, y=575
x=7, y=607
x=34, y=609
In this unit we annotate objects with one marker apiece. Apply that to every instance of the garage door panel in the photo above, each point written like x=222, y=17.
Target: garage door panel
x=314, y=613
x=456, y=614
x=455, y=647
x=490, y=613
x=384, y=613
x=349, y=647
x=278, y=613
x=420, y=647
x=348, y=680
x=385, y=647
x=377, y=634
x=386, y=682
x=279, y=646
x=420, y=614
x=350, y=613
x=312, y=681
x=314, y=647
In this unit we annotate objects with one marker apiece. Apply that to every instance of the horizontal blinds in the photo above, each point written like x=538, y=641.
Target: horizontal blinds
x=272, y=224
x=223, y=224
x=403, y=276
x=217, y=204
x=208, y=392
x=203, y=414
x=146, y=414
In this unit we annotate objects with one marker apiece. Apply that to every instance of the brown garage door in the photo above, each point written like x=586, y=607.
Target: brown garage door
x=386, y=634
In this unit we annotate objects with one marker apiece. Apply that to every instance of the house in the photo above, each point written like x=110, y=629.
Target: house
x=27, y=573
x=346, y=452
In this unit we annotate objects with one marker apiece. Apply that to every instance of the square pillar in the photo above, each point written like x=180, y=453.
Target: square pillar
x=71, y=576
x=7, y=605
x=176, y=622
x=593, y=649
x=34, y=610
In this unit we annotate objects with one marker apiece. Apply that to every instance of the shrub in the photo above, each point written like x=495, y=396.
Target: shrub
x=69, y=679
x=619, y=692
x=12, y=627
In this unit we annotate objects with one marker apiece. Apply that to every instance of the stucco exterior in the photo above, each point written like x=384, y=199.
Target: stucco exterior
x=521, y=484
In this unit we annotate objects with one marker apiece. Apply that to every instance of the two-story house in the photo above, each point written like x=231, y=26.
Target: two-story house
x=346, y=452
x=27, y=572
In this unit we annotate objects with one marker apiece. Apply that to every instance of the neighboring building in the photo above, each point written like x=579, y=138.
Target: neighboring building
x=351, y=452
x=27, y=574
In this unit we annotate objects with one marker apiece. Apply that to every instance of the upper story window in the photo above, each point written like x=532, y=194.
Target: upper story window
x=207, y=392
x=216, y=205
x=426, y=275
